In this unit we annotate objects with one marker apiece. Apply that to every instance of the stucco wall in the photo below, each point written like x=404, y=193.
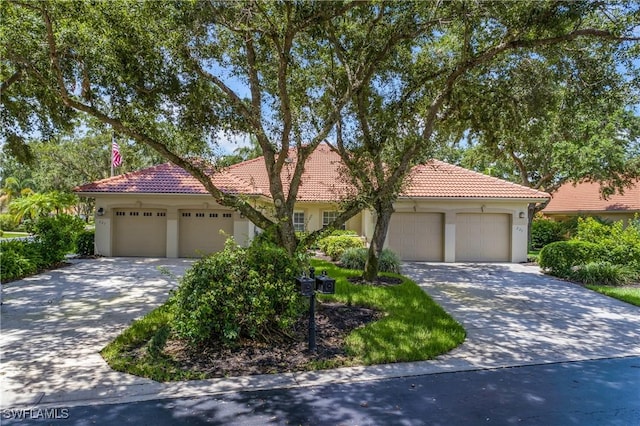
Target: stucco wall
x=362, y=223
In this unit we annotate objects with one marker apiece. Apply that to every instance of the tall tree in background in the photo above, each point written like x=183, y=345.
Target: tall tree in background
x=547, y=122
x=156, y=70
x=383, y=79
x=420, y=97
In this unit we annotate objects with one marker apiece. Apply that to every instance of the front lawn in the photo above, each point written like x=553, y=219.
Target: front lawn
x=413, y=327
x=626, y=294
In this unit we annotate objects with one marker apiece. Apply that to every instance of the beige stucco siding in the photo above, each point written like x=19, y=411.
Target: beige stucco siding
x=444, y=236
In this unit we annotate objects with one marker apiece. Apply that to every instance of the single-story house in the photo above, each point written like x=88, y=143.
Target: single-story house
x=445, y=213
x=585, y=199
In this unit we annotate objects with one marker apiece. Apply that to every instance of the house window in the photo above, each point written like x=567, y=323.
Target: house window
x=330, y=216
x=298, y=221
x=226, y=215
x=213, y=214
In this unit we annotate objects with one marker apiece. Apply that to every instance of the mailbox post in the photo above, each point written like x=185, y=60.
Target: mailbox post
x=308, y=287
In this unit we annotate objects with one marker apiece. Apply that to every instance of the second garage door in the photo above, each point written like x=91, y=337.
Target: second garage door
x=417, y=236
x=200, y=231
x=483, y=237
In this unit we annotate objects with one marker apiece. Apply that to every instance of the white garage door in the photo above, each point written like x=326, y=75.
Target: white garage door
x=417, y=236
x=200, y=231
x=483, y=237
x=140, y=232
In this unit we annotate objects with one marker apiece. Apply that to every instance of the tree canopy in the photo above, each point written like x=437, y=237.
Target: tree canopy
x=387, y=80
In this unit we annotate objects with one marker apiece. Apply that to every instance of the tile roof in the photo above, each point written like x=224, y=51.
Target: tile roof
x=320, y=181
x=586, y=197
x=437, y=179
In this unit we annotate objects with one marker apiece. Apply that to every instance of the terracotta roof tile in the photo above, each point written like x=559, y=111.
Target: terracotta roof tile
x=586, y=197
x=320, y=181
x=437, y=179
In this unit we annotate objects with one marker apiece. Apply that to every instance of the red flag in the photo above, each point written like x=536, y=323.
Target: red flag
x=116, y=158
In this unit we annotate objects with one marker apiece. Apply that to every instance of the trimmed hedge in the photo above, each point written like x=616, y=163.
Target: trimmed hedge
x=335, y=245
x=545, y=231
x=561, y=257
x=85, y=243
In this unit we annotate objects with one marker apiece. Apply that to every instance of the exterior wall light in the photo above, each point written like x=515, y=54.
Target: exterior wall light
x=100, y=211
x=521, y=215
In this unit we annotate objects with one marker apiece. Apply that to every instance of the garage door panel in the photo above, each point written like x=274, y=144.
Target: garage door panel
x=140, y=233
x=417, y=236
x=483, y=237
x=200, y=231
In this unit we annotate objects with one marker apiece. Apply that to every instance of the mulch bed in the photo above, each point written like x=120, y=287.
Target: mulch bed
x=334, y=321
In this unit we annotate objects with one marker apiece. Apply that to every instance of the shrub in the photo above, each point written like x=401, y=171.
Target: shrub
x=604, y=273
x=335, y=245
x=545, y=231
x=355, y=258
x=237, y=293
x=19, y=259
x=85, y=243
x=7, y=222
x=58, y=235
x=561, y=257
x=619, y=245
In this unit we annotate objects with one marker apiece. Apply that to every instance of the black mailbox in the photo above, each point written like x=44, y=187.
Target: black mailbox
x=306, y=285
x=325, y=284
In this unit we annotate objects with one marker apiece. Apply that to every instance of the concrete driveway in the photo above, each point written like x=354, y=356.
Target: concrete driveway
x=53, y=326
x=515, y=315
x=55, y=323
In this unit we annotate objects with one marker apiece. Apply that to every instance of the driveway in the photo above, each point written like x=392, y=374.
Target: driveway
x=54, y=325
x=515, y=315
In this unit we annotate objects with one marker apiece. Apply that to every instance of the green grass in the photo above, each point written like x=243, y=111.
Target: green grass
x=626, y=294
x=413, y=328
x=138, y=350
x=11, y=234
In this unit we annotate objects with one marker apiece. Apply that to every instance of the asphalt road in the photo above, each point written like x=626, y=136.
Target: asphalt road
x=601, y=392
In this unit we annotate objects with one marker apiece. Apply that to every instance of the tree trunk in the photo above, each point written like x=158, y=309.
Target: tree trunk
x=383, y=211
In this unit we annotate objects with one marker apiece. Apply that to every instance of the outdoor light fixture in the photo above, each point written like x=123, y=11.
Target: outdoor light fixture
x=521, y=215
x=100, y=211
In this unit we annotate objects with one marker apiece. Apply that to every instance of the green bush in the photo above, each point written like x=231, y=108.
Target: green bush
x=561, y=257
x=237, y=293
x=85, y=243
x=356, y=258
x=7, y=222
x=19, y=259
x=619, y=244
x=58, y=235
x=545, y=231
x=335, y=245
x=604, y=273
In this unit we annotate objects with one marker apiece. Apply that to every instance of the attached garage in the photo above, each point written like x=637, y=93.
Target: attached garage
x=483, y=237
x=200, y=231
x=140, y=232
x=417, y=236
